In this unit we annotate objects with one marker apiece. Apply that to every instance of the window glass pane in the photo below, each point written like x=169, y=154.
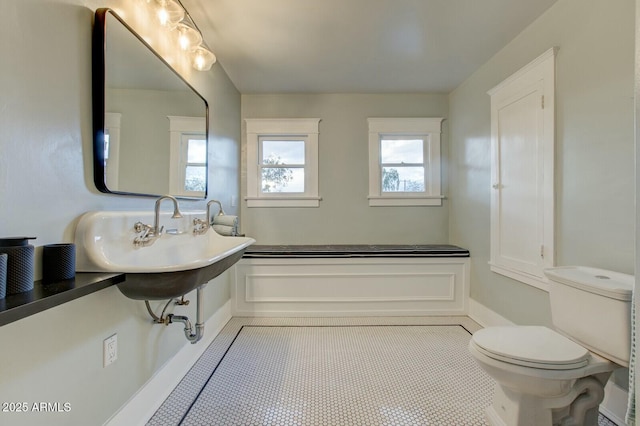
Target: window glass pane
x=195, y=178
x=282, y=179
x=197, y=151
x=403, y=179
x=401, y=151
x=283, y=152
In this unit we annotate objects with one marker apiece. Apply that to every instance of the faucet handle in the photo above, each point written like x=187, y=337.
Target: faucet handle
x=200, y=226
x=147, y=234
x=139, y=226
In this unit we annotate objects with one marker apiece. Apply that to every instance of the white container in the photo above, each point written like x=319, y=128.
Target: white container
x=593, y=307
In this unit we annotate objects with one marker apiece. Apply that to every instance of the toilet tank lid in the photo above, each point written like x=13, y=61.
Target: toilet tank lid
x=610, y=284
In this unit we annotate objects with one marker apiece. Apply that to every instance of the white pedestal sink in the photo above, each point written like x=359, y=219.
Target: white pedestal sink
x=176, y=263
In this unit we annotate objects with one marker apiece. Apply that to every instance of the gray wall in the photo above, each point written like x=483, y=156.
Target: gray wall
x=594, y=149
x=46, y=183
x=344, y=216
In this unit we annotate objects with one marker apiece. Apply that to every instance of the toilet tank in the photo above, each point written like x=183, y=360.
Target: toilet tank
x=593, y=307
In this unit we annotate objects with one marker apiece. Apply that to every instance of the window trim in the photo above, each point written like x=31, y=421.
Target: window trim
x=428, y=129
x=304, y=128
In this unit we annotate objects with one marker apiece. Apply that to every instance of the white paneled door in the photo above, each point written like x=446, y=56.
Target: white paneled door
x=522, y=212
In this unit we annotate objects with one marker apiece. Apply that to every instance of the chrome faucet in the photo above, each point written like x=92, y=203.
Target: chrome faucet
x=176, y=212
x=220, y=213
x=201, y=226
x=149, y=234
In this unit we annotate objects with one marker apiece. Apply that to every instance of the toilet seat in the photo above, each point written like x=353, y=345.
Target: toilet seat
x=531, y=346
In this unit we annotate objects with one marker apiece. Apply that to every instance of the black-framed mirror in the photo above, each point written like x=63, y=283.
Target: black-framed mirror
x=150, y=127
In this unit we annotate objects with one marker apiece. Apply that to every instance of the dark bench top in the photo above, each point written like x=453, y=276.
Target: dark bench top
x=355, y=250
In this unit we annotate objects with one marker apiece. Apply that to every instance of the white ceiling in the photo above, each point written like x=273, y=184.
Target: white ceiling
x=358, y=46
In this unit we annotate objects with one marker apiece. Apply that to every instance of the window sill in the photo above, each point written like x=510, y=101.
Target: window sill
x=379, y=201
x=290, y=201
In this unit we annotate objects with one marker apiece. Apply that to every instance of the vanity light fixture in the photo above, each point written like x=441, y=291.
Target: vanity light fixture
x=173, y=15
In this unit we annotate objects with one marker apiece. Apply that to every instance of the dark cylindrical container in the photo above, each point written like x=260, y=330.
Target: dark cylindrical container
x=20, y=263
x=58, y=262
x=3, y=275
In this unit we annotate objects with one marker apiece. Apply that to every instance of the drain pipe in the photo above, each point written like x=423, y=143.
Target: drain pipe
x=188, y=329
x=592, y=394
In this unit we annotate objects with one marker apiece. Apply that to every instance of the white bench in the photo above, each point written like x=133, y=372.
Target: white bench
x=351, y=280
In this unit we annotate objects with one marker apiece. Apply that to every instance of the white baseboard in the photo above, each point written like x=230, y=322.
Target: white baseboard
x=485, y=316
x=141, y=406
x=614, y=405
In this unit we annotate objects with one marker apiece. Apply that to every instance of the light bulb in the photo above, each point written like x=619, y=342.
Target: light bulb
x=163, y=16
x=203, y=59
x=169, y=13
x=188, y=36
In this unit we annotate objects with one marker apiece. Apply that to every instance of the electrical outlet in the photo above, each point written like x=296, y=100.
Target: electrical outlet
x=109, y=350
x=234, y=201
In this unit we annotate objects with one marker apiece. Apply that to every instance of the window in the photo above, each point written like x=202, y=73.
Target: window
x=188, y=156
x=282, y=162
x=194, y=162
x=404, y=162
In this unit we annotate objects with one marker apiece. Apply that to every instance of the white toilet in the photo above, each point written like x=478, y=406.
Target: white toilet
x=557, y=377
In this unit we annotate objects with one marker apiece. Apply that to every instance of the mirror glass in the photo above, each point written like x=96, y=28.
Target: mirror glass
x=150, y=125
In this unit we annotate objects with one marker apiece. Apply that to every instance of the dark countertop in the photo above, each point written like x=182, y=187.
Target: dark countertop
x=355, y=250
x=44, y=296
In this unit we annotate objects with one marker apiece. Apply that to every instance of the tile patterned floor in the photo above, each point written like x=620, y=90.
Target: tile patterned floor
x=334, y=371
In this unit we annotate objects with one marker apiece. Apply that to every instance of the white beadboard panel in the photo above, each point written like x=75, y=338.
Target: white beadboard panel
x=360, y=286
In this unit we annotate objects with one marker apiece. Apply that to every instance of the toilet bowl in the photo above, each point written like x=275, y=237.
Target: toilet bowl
x=556, y=376
x=537, y=387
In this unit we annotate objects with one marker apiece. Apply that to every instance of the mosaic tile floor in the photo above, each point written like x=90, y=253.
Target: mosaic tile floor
x=333, y=371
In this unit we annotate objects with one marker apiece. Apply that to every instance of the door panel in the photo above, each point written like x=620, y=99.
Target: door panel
x=522, y=201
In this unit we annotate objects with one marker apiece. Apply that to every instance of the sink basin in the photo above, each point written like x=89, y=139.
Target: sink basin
x=176, y=263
